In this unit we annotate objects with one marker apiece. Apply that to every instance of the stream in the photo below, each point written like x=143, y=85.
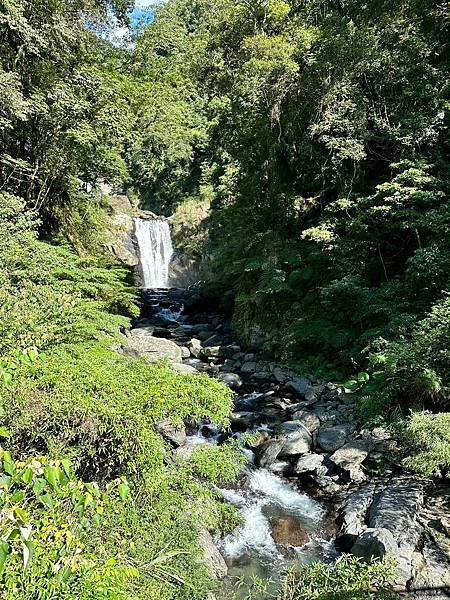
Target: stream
x=281, y=523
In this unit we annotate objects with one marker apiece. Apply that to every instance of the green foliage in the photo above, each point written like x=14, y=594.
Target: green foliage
x=218, y=464
x=349, y=578
x=47, y=517
x=427, y=438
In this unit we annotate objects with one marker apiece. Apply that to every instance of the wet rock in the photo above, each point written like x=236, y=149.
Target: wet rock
x=309, y=419
x=280, y=467
x=176, y=435
x=332, y=438
x=268, y=452
x=195, y=347
x=232, y=380
x=288, y=531
x=375, y=543
x=310, y=463
x=213, y=340
x=152, y=349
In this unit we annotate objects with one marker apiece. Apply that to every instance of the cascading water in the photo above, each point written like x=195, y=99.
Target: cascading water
x=155, y=251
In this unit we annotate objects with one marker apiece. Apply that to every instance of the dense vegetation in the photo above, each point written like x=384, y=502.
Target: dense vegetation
x=321, y=145
x=303, y=148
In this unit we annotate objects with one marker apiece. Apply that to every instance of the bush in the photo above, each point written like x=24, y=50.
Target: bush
x=349, y=578
x=427, y=439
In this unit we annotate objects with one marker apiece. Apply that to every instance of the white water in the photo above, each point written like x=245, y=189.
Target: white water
x=155, y=251
x=265, y=489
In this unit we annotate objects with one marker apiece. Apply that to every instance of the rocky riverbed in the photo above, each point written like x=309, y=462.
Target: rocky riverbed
x=317, y=484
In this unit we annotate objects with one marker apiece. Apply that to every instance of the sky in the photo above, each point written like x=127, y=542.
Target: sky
x=141, y=12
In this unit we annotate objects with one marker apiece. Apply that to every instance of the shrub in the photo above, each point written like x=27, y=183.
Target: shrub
x=427, y=439
x=349, y=578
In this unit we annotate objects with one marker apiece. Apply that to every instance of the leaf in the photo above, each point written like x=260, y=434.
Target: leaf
x=67, y=466
x=8, y=464
x=39, y=486
x=4, y=433
x=27, y=475
x=51, y=474
x=28, y=552
x=4, y=551
x=124, y=490
x=46, y=500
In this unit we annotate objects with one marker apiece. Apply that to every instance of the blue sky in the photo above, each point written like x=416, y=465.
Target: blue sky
x=140, y=13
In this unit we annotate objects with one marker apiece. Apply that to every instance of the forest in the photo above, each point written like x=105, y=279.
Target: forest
x=301, y=152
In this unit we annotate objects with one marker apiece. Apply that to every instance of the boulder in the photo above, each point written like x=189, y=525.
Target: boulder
x=268, y=452
x=300, y=385
x=295, y=438
x=332, y=438
x=310, y=463
x=232, y=380
x=248, y=367
x=185, y=352
x=350, y=456
x=195, y=347
x=309, y=419
x=352, y=514
x=373, y=543
x=176, y=435
x=151, y=348
x=213, y=559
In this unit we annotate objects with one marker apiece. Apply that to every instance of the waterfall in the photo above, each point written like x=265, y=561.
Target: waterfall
x=155, y=251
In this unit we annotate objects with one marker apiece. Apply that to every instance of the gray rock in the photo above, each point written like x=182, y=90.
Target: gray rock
x=195, y=347
x=350, y=456
x=332, y=438
x=243, y=417
x=309, y=463
x=299, y=384
x=176, y=435
x=295, y=438
x=431, y=566
x=280, y=375
x=310, y=420
x=232, y=380
x=396, y=508
x=248, y=367
x=213, y=559
x=186, y=369
x=213, y=340
x=373, y=543
x=268, y=452
x=151, y=348
x=185, y=352
x=353, y=512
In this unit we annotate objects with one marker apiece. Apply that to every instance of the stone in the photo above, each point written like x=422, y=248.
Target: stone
x=185, y=352
x=245, y=418
x=431, y=567
x=373, y=543
x=300, y=385
x=288, y=531
x=248, y=367
x=309, y=419
x=268, y=452
x=396, y=508
x=152, y=349
x=213, y=340
x=352, y=514
x=350, y=456
x=332, y=438
x=309, y=463
x=195, y=347
x=296, y=439
x=186, y=369
x=279, y=374
x=214, y=561
x=176, y=435
x=232, y=380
